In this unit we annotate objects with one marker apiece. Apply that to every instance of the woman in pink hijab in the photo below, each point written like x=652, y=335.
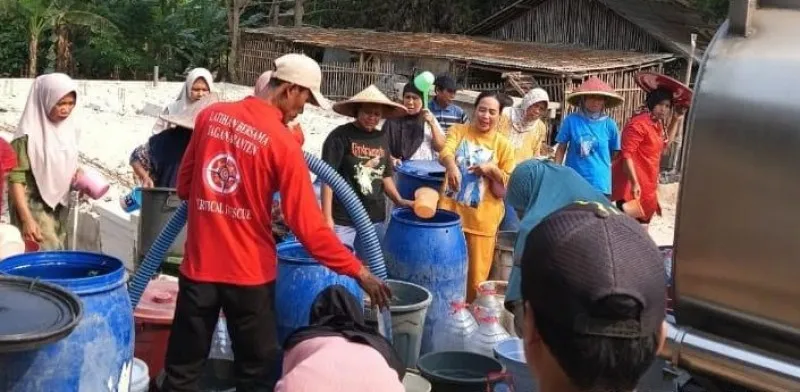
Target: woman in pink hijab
x=46, y=144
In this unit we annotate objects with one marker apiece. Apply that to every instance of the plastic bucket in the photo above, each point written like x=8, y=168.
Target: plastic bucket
x=32, y=246
x=431, y=253
x=512, y=355
x=415, y=383
x=98, y=355
x=92, y=183
x=412, y=175
x=408, y=308
x=158, y=206
x=503, y=260
x=140, y=379
x=459, y=371
x=426, y=200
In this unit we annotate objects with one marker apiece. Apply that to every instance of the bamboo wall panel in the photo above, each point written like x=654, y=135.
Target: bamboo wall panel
x=585, y=23
x=256, y=56
x=340, y=80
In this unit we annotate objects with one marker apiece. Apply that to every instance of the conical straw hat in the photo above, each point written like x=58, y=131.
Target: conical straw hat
x=370, y=95
x=649, y=81
x=186, y=117
x=595, y=86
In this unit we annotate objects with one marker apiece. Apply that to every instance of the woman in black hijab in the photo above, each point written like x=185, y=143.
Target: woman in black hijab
x=338, y=351
x=416, y=136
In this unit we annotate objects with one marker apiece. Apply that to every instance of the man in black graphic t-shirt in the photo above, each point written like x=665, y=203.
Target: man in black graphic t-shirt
x=362, y=158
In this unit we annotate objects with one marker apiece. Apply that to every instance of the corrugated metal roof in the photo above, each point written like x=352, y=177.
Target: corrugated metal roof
x=553, y=59
x=670, y=21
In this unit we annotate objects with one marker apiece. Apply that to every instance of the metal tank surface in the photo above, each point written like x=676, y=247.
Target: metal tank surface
x=737, y=245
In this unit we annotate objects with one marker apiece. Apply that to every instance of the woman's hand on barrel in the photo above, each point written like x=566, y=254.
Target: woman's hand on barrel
x=378, y=291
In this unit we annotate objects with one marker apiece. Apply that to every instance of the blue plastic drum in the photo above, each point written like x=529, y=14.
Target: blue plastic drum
x=98, y=354
x=431, y=253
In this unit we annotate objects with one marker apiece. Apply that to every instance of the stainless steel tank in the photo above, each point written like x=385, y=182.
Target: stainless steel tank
x=737, y=246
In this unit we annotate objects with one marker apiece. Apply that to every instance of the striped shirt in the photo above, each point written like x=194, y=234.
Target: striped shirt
x=448, y=116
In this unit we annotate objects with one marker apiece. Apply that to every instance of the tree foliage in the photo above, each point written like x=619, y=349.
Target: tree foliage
x=127, y=38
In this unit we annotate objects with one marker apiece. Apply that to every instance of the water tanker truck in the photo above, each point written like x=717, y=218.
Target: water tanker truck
x=737, y=238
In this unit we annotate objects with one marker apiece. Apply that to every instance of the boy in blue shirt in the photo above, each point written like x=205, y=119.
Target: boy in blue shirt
x=442, y=106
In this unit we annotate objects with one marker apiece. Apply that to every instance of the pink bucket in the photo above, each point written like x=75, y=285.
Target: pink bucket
x=92, y=183
x=32, y=246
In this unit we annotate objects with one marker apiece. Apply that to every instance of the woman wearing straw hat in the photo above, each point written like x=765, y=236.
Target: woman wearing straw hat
x=359, y=151
x=635, y=171
x=589, y=137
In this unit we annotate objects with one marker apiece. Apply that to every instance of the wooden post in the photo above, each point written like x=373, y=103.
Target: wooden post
x=155, y=76
x=677, y=158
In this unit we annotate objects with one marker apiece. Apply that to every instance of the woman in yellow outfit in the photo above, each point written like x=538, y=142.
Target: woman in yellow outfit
x=523, y=125
x=478, y=160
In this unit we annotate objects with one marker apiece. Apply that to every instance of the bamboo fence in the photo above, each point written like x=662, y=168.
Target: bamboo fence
x=339, y=80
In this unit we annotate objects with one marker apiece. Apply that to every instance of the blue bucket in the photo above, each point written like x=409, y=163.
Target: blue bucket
x=412, y=175
x=511, y=354
x=431, y=253
x=99, y=352
x=299, y=282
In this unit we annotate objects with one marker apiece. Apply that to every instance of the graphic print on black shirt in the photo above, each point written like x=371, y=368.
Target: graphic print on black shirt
x=362, y=158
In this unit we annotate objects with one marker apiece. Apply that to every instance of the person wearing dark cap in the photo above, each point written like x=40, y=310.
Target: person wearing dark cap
x=594, y=293
x=442, y=106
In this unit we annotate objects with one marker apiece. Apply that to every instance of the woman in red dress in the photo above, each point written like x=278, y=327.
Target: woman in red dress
x=636, y=169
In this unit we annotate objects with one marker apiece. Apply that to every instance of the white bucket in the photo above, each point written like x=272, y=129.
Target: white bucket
x=415, y=383
x=140, y=380
x=11, y=243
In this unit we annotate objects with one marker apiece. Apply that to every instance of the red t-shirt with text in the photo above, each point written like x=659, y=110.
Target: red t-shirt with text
x=240, y=154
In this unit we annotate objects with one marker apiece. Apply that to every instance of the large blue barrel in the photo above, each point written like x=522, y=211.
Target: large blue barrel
x=431, y=253
x=300, y=279
x=98, y=354
x=411, y=175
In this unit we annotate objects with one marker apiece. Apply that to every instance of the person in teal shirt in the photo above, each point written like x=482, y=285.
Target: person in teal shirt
x=537, y=189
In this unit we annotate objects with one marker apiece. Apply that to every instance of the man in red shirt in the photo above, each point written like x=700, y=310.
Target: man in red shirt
x=239, y=155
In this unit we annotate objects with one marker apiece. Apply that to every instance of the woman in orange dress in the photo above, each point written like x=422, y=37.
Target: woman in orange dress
x=635, y=170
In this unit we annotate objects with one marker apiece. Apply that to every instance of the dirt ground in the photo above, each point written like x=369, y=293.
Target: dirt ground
x=662, y=228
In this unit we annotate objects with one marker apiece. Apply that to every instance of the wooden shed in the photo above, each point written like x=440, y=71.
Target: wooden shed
x=647, y=26
x=353, y=59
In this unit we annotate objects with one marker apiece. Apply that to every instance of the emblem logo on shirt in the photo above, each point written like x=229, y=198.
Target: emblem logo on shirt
x=222, y=174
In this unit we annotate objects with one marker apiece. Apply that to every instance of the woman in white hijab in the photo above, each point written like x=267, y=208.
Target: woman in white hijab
x=523, y=124
x=46, y=144
x=199, y=83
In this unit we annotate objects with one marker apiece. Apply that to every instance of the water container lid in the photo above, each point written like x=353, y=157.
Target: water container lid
x=157, y=304
x=35, y=313
x=422, y=168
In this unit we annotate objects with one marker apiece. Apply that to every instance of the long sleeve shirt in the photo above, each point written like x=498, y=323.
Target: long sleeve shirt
x=239, y=155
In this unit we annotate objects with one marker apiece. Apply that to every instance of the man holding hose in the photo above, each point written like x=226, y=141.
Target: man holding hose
x=239, y=155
